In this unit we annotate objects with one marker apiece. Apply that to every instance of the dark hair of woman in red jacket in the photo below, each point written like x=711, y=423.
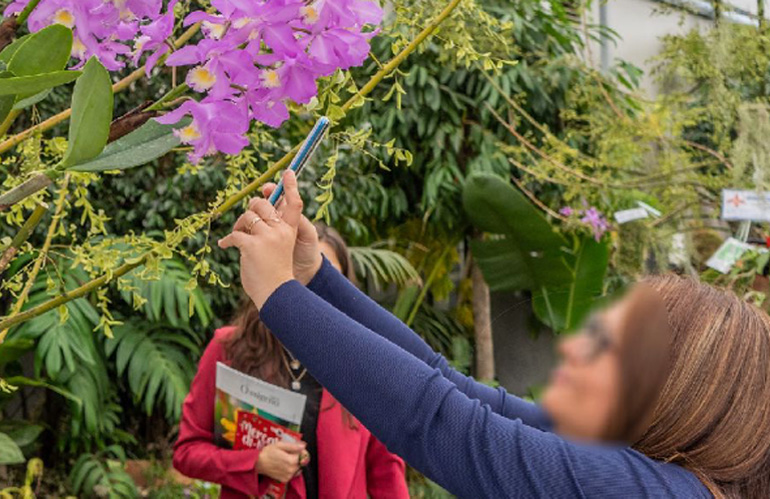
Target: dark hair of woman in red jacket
x=338, y=458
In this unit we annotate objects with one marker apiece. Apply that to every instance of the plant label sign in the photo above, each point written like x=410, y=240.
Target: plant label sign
x=729, y=253
x=745, y=205
x=625, y=216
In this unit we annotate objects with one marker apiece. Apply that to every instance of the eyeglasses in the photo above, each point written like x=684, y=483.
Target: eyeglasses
x=597, y=339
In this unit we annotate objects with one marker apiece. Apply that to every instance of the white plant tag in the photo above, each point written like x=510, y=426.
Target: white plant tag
x=625, y=216
x=745, y=205
x=727, y=254
x=652, y=211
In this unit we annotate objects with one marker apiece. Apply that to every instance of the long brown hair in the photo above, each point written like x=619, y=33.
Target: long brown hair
x=251, y=348
x=712, y=416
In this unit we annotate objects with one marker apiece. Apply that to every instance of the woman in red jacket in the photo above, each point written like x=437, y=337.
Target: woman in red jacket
x=339, y=457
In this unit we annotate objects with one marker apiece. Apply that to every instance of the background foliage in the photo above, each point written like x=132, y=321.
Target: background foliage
x=502, y=93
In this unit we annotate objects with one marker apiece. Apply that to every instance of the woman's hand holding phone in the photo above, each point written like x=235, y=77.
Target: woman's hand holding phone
x=307, y=253
x=267, y=238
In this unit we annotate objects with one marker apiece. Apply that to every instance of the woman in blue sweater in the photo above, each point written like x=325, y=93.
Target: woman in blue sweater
x=697, y=429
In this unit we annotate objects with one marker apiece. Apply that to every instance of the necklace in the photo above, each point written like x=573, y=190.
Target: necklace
x=291, y=367
x=294, y=363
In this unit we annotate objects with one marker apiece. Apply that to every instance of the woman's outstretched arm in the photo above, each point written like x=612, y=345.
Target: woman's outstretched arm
x=456, y=441
x=338, y=291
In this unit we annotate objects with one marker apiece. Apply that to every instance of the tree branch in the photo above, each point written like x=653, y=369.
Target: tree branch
x=42, y=256
x=86, y=288
x=22, y=236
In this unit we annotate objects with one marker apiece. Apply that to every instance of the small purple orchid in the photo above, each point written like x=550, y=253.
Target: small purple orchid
x=261, y=55
x=217, y=125
x=154, y=38
x=590, y=216
x=596, y=221
x=101, y=28
x=256, y=56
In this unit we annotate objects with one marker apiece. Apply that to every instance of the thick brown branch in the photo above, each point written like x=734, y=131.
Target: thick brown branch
x=130, y=121
x=8, y=31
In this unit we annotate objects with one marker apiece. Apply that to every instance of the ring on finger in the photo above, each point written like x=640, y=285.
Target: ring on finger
x=251, y=224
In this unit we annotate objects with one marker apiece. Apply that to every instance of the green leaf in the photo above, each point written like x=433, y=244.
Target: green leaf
x=7, y=54
x=23, y=433
x=31, y=101
x=529, y=253
x=6, y=101
x=157, y=362
x=54, y=42
x=9, y=451
x=147, y=143
x=91, y=114
x=12, y=349
x=30, y=85
x=405, y=301
x=22, y=380
x=564, y=308
x=383, y=266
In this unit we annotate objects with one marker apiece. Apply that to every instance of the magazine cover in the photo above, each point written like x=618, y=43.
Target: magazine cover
x=255, y=431
x=238, y=392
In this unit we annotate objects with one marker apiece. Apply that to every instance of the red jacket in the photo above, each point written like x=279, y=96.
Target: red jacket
x=351, y=462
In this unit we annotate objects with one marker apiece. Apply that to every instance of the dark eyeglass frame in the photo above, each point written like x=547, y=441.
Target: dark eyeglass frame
x=598, y=339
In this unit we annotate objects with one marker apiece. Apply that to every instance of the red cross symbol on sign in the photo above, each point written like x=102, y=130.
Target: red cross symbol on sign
x=736, y=201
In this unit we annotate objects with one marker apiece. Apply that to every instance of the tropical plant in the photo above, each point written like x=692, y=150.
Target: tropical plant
x=88, y=269
x=102, y=475
x=379, y=266
x=525, y=252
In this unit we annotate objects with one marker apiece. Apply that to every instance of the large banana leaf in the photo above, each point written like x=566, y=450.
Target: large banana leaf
x=566, y=306
x=522, y=251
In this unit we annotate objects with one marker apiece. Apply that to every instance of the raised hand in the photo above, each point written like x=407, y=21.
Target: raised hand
x=307, y=255
x=266, y=241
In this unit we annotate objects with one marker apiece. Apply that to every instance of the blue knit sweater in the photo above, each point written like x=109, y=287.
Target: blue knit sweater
x=475, y=441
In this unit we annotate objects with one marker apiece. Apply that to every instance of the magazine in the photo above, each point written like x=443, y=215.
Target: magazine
x=250, y=413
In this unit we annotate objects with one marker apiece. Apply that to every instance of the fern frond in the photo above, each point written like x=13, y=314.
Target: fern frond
x=157, y=361
x=382, y=266
x=168, y=297
x=102, y=475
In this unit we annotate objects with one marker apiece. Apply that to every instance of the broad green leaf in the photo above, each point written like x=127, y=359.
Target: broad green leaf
x=147, y=143
x=30, y=101
x=91, y=114
x=9, y=451
x=21, y=432
x=495, y=206
x=528, y=253
x=7, y=54
x=564, y=308
x=6, y=101
x=12, y=349
x=405, y=301
x=31, y=85
x=46, y=51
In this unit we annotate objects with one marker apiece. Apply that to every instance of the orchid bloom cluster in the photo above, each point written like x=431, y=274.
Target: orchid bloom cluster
x=111, y=30
x=589, y=216
x=258, y=55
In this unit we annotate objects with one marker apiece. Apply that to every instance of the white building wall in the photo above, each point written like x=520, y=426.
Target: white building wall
x=642, y=23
